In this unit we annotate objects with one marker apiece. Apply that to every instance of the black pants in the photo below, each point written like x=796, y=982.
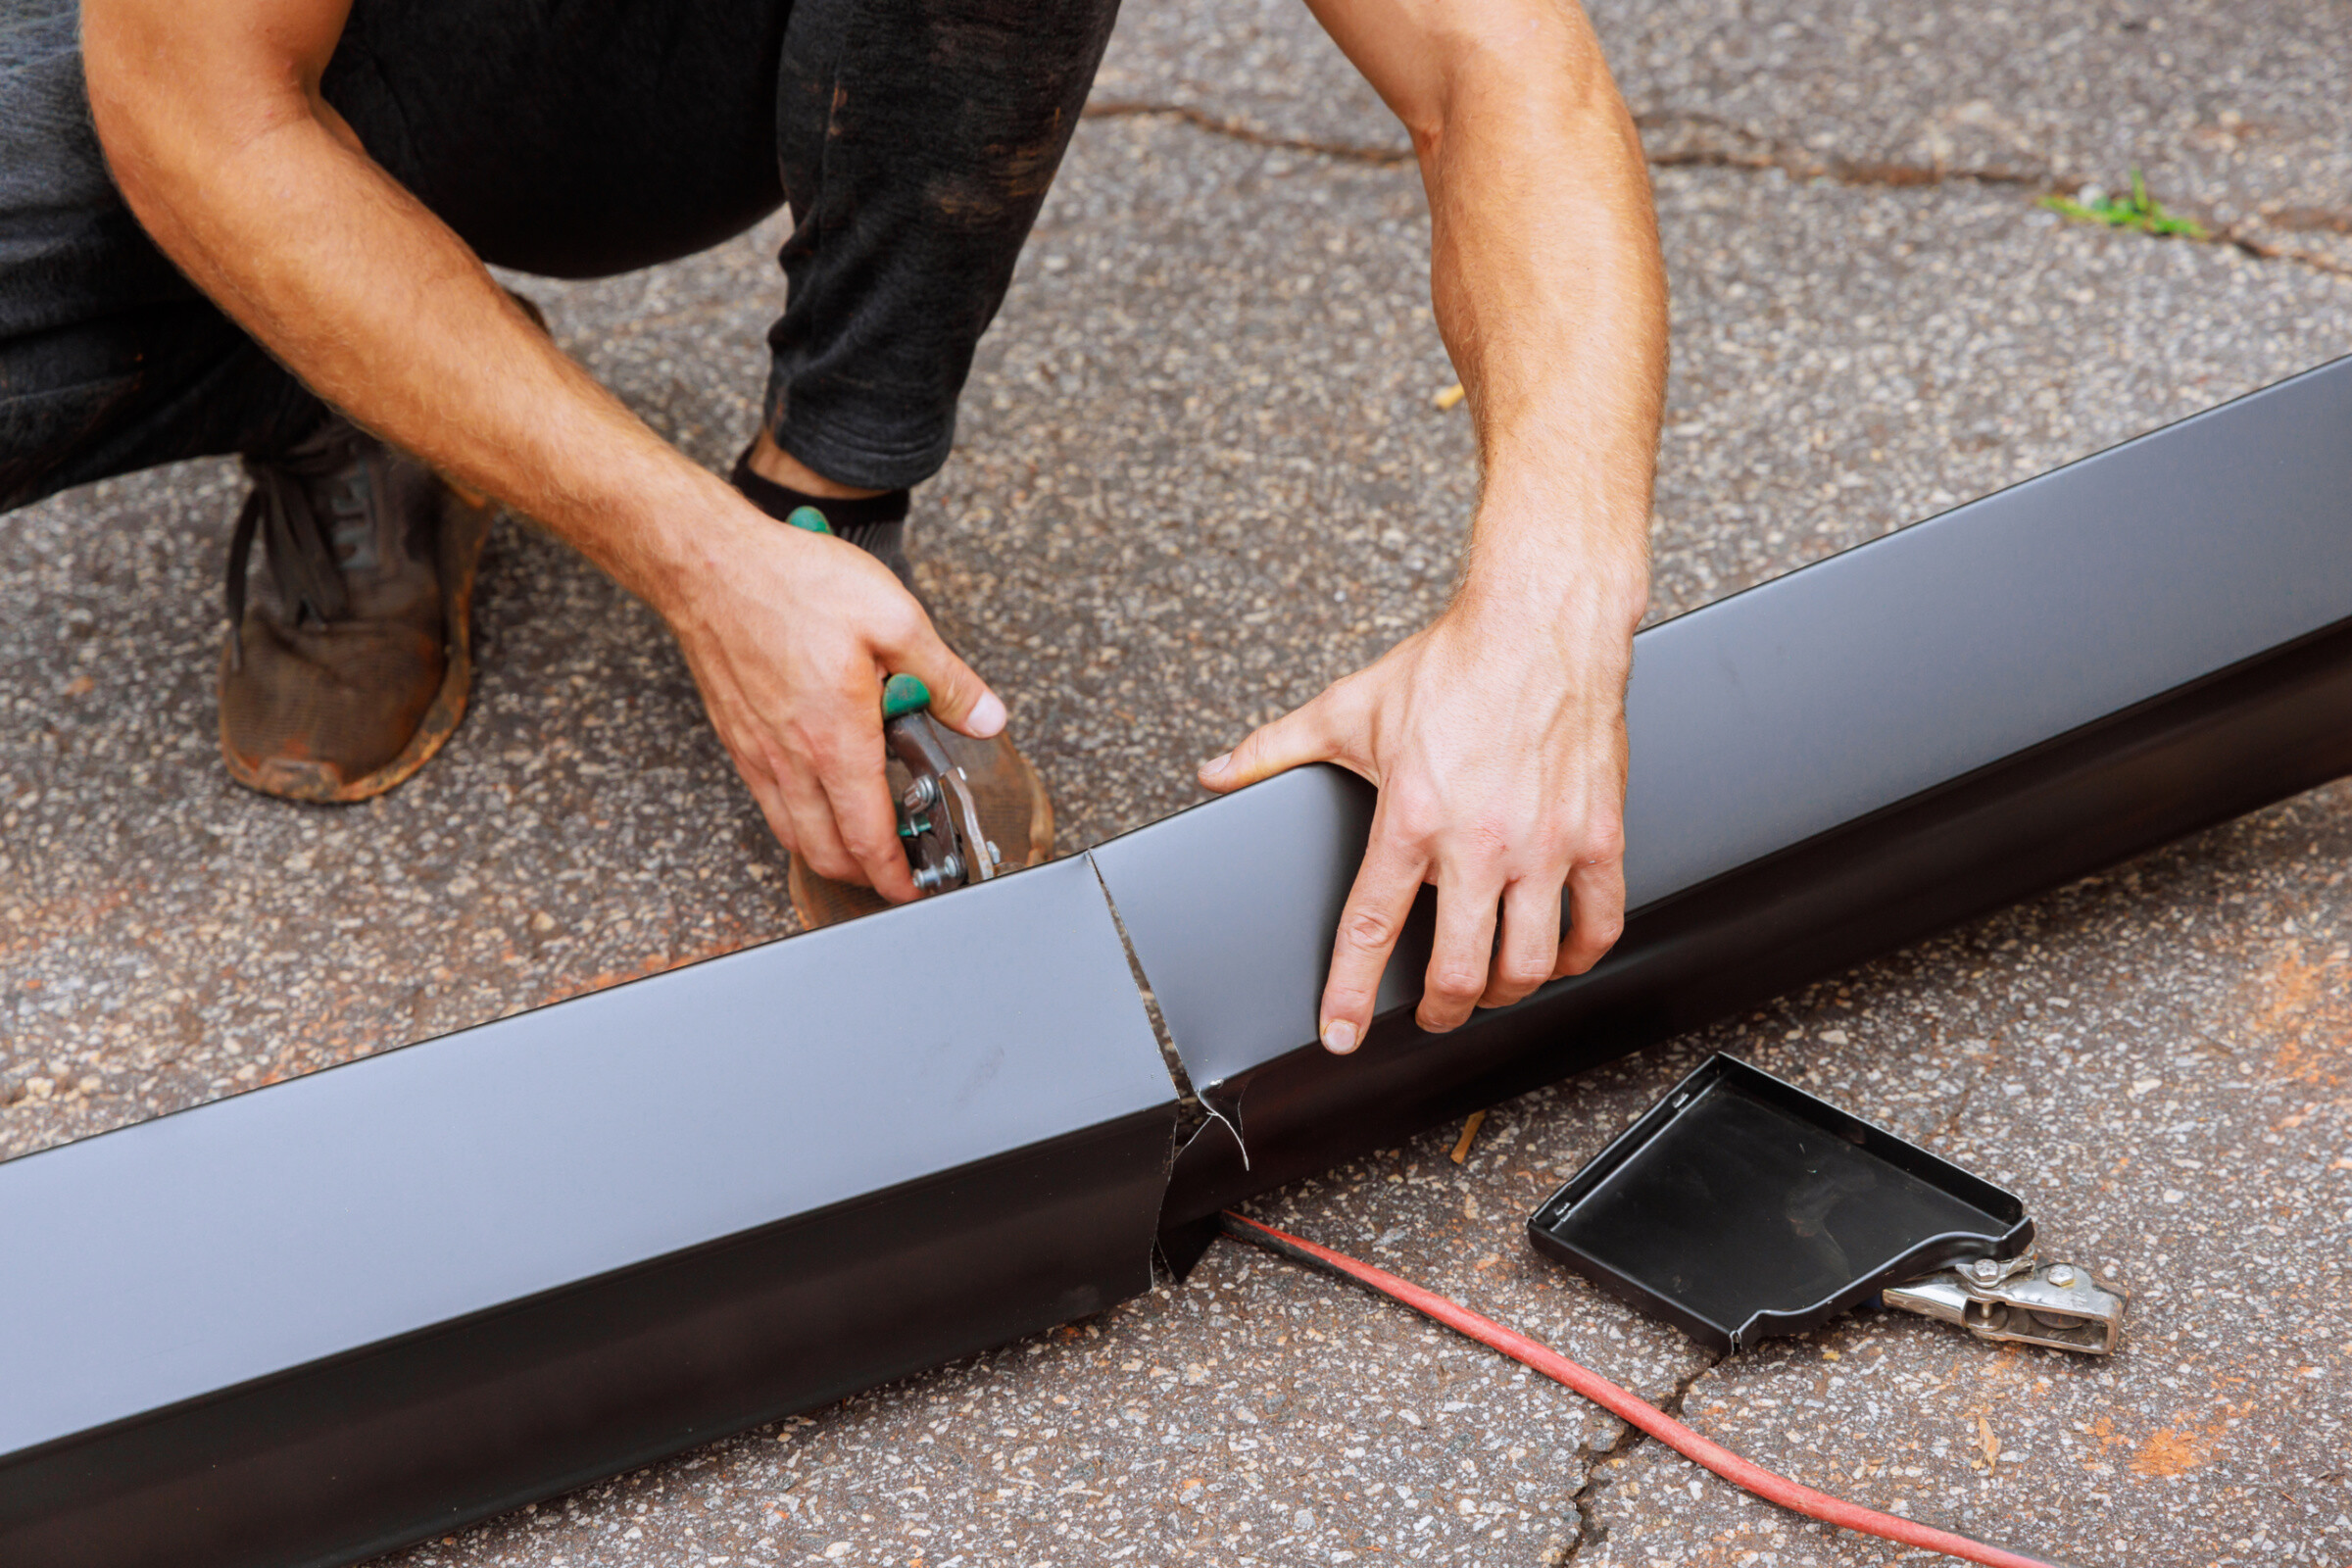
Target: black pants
x=913, y=138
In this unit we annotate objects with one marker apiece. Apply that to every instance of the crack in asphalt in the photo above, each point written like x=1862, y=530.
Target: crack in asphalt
x=1742, y=148
x=1599, y=1461
x=1746, y=150
x=2235, y=235
x=1241, y=131
x=1760, y=154
x=1985, y=1062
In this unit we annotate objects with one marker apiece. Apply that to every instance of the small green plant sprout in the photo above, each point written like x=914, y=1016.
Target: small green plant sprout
x=2139, y=210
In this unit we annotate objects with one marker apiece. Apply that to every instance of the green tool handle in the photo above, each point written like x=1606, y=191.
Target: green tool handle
x=900, y=694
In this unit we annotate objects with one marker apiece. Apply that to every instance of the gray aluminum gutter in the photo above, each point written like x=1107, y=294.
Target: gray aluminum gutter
x=309, y=1323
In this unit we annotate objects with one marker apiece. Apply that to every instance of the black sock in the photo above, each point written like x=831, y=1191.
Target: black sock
x=782, y=501
x=876, y=524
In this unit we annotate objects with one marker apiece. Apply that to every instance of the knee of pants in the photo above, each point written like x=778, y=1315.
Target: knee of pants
x=90, y=402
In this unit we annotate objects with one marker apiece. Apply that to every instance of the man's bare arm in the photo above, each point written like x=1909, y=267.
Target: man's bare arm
x=214, y=127
x=1497, y=734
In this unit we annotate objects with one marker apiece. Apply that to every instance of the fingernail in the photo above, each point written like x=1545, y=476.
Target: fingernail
x=1339, y=1037
x=1217, y=763
x=988, y=715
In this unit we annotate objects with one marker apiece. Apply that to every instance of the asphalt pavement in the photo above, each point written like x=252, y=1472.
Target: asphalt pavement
x=1202, y=472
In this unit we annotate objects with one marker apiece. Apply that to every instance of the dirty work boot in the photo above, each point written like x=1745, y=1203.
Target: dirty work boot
x=1015, y=809
x=352, y=666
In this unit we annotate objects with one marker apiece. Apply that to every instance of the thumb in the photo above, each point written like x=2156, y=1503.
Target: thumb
x=960, y=698
x=1299, y=737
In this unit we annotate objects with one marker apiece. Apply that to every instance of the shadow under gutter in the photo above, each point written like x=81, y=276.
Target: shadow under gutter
x=315, y=1321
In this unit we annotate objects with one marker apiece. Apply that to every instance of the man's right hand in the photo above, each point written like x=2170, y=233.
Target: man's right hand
x=790, y=635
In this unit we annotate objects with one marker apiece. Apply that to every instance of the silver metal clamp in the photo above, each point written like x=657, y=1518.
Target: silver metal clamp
x=2021, y=1301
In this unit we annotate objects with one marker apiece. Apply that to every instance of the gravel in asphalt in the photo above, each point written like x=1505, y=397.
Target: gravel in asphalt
x=1201, y=474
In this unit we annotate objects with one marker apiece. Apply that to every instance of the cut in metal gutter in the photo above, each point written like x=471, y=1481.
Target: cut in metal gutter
x=315, y=1321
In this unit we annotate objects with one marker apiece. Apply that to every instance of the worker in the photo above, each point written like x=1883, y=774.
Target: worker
x=260, y=226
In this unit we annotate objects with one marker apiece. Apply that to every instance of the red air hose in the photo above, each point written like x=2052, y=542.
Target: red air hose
x=1628, y=1408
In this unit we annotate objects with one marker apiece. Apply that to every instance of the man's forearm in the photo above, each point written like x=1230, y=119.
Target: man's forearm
x=1497, y=734
x=1551, y=298
x=281, y=216
x=1544, y=270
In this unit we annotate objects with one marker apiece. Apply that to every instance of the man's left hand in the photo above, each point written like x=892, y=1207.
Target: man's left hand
x=1496, y=737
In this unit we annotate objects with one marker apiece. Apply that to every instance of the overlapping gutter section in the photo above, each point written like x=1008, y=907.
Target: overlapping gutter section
x=1823, y=769
x=337, y=1314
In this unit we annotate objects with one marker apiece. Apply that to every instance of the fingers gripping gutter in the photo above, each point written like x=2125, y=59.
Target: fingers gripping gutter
x=1385, y=885
x=1530, y=949
x=1520, y=839
x=1495, y=942
x=1494, y=945
x=1596, y=898
x=1464, y=954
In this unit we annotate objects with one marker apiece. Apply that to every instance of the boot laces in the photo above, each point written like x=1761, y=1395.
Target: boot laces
x=306, y=503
